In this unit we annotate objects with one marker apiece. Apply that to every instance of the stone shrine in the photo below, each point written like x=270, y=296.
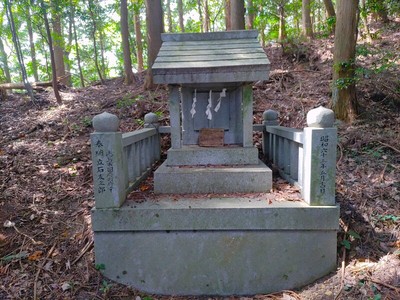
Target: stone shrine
x=210, y=76
x=213, y=244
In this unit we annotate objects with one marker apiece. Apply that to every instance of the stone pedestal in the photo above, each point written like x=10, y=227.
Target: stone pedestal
x=217, y=246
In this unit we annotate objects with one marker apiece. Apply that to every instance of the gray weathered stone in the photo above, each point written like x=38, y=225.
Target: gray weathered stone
x=194, y=155
x=151, y=120
x=105, y=122
x=217, y=179
x=110, y=173
x=319, y=165
x=270, y=115
x=216, y=246
x=320, y=117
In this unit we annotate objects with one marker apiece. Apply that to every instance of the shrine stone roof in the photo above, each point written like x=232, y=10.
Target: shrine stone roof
x=212, y=57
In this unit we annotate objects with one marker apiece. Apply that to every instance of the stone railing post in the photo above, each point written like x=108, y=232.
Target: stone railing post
x=319, y=160
x=270, y=118
x=109, y=170
x=151, y=120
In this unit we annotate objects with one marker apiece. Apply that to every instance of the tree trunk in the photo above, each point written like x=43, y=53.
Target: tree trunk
x=78, y=56
x=363, y=13
x=382, y=11
x=4, y=61
x=155, y=26
x=58, y=44
x=93, y=33
x=344, y=100
x=52, y=56
x=250, y=14
x=20, y=86
x=68, y=48
x=330, y=9
x=237, y=15
x=180, y=13
x=282, y=21
x=129, y=77
x=32, y=46
x=306, y=19
x=228, y=24
x=104, y=69
x=139, y=37
x=17, y=46
x=169, y=16
x=206, y=24
x=200, y=14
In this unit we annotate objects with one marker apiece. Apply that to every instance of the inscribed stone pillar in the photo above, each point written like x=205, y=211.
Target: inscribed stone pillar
x=319, y=169
x=109, y=172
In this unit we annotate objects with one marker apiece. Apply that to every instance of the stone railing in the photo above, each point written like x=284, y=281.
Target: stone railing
x=306, y=158
x=121, y=160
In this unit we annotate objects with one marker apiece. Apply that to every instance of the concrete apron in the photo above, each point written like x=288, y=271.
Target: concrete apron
x=218, y=246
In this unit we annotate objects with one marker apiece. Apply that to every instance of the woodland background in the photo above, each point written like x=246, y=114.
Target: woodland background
x=62, y=62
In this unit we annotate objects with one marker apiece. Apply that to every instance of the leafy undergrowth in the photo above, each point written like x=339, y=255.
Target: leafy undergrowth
x=46, y=244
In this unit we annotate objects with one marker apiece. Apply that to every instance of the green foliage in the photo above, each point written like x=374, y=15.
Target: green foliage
x=345, y=82
x=363, y=50
x=86, y=121
x=350, y=237
x=100, y=267
x=127, y=101
x=105, y=286
x=140, y=122
x=388, y=218
x=159, y=114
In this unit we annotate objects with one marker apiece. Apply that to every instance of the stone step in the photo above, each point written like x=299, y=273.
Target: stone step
x=255, y=178
x=229, y=155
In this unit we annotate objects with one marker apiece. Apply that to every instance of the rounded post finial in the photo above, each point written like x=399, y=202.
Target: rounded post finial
x=271, y=117
x=151, y=120
x=320, y=117
x=105, y=122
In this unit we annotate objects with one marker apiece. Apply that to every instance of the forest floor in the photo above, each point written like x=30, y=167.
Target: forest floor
x=46, y=192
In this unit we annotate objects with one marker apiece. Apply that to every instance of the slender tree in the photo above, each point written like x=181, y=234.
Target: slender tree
x=58, y=42
x=139, y=37
x=381, y=10
x=32, y=44
x=306, y=19
x=250, y=14
x=330, y=9
x=155, y=26
x=344, y=101
x=94, y=40
x=180, y=13
x=129, y=77
x=363, y=16
x=206, y=20
x=78, y=56
x=169, y=16
x=18, y=50
x=51, y=50
x=200, y=14
x=227, y=8
x=282, y=20
x=4, y=61
x=237, y=15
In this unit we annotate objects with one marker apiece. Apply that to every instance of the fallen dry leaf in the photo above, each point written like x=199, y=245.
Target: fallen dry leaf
x=35, y=255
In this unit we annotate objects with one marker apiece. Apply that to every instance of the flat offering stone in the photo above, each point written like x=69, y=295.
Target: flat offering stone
x=232, y=56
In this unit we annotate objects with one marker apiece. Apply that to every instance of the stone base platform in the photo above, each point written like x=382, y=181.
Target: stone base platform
x=228, y=155
x=212, y=179
x=217, y=246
